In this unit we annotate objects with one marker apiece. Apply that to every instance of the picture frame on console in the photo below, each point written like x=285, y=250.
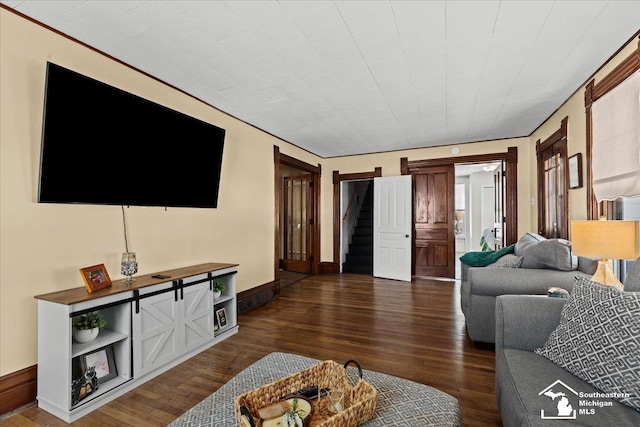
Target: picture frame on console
x=221, y=315
x=102, y=361
x=95, y=277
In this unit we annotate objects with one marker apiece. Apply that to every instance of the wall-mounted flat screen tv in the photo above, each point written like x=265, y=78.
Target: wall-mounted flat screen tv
x=102, y=145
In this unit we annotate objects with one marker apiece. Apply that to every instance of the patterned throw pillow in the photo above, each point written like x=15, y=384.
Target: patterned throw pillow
x=507, y=261
x=598, y=339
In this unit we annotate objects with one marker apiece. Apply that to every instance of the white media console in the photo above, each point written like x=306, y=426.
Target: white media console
x=152, y=326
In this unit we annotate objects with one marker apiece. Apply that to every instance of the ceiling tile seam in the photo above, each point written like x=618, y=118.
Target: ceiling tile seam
x=446, y=70
x=365, y=61
x=304, y=35
x=414, y=92
x=578, y=40
x=382, y=92
x=484, y=68
x=504, y=101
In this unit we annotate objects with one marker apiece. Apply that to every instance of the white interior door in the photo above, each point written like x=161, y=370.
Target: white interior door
x=392, y=227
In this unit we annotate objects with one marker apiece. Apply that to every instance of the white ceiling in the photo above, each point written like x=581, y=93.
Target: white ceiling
x=350, y=77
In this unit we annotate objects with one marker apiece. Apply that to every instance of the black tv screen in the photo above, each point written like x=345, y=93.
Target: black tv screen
x=102, y=145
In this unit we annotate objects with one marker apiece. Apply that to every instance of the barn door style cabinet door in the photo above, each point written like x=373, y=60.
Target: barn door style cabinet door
x=152, y=326
x=176, y=318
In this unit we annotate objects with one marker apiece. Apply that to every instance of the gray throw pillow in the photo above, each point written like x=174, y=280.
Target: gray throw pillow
x=598, y=339
x=632, y=281
x=587, y=265
x=507, y=261
x=553, y=254
x=529, y=238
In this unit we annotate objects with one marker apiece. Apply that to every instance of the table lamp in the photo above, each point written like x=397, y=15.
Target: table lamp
x=605, y=240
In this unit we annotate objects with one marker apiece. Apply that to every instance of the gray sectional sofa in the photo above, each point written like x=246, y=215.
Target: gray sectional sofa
x=545, y=263
x=528, y=383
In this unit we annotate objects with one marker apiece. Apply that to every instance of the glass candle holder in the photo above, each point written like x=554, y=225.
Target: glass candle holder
x=128, y=266
x=335, y=400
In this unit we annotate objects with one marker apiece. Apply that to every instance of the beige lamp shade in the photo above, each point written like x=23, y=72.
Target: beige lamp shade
x=605, y=239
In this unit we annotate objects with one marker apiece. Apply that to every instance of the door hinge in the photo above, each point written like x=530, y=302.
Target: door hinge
x=310, y=221
x=311, y=258
x=311, y=184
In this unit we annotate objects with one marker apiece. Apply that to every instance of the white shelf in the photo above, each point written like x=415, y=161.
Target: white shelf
x=105, y=337
x=102, y=389
x=223, y=299
x=227, y=330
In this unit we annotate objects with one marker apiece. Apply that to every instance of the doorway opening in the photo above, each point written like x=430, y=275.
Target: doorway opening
x=356, y=228
x=297, y=209
x=349, y=191
x=434, y=210
x=479, y=209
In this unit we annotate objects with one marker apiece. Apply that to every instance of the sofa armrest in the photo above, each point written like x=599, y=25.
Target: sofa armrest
x=525, y=322
x=464, y=271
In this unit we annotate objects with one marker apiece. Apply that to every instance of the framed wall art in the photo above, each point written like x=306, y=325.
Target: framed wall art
x=575, y=171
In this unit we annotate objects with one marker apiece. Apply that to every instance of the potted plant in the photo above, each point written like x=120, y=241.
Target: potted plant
x=218, y=288
x=87, y=326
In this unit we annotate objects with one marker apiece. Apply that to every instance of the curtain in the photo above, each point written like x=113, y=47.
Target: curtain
x=616, y=141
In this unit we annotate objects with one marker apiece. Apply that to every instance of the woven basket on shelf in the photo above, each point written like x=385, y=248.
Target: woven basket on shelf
x=360, y=399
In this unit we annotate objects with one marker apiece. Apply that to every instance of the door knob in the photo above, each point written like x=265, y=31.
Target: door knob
x=406, y=235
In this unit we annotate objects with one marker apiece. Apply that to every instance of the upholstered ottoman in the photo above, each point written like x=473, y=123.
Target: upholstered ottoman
x=400, y=402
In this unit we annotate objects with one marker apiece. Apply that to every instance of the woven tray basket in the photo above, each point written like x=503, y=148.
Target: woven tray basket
x=360, y=399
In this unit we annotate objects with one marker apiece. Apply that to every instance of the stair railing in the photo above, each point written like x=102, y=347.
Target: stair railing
x=353, y=202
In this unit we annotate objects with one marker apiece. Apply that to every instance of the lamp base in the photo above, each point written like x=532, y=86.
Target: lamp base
x=605, y=276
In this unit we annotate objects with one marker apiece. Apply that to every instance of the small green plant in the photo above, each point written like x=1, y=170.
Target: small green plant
x=218, y=286
x=91, y=320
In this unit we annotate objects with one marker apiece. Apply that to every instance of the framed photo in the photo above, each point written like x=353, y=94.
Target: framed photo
x=575, y=171
x=99, y=363
x=95, y=277
x=221, y=315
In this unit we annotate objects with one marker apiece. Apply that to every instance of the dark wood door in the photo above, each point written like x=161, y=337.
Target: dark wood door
x=298, y=214
x=434, y=210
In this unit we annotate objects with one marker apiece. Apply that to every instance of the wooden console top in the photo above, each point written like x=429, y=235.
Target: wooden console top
x=77, y=295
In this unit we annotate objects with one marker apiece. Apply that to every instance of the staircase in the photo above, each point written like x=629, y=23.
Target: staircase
x=360, y=255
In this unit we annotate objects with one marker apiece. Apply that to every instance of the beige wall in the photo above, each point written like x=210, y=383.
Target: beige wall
x=42, y=246
x=574, y=109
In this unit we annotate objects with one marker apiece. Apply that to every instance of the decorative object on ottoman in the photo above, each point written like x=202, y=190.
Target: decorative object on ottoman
x=359, y=402
x=604, y=239
x=295, y=412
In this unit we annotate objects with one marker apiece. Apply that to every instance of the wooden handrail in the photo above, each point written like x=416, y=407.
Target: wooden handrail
x=352, y=202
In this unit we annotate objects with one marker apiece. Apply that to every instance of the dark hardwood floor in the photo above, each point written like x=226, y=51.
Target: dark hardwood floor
x=411, y=330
